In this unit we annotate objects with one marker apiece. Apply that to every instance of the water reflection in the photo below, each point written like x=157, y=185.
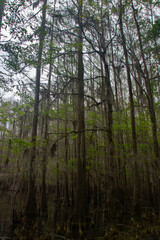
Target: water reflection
x=12, y=203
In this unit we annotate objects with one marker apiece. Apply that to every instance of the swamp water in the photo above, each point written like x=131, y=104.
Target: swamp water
x=58, y=225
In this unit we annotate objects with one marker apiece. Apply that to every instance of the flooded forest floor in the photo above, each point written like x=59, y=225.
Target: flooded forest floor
x=103, y=221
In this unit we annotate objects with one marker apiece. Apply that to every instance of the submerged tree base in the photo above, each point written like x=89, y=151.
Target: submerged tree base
x=137, y=230
x=60, y=226
x=104, y=221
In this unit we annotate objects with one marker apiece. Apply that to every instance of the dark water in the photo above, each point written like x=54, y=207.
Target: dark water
x=11, y=203
x=58, y=225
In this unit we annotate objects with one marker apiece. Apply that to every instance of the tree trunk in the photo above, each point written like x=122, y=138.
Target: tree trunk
x=81, y=190
x=44, y=207
x=134, y=137
x=57, y=152
x=66, y=142
x=2, y=4
x=31, y=208
x=149, y=90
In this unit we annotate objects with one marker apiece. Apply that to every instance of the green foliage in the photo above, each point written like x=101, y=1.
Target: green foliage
x=61, y=111
x=121, y=123
x=71, y=165
x=12, y=61
x=90, y=119
x=73, y=136
x=21, y=143
x=154, y=33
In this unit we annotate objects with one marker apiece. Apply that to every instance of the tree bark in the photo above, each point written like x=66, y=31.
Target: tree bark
x=66, y=145
x=31, y=208
x=134, y=137
x=81, y=190
x=2, y=4
x=133, y=124
x=148, y=88
x=44, y=207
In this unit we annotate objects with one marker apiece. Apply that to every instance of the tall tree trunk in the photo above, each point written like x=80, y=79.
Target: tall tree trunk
x=31, y=208
x=134, y=137
x=44, y=208
x=81, y=190
x=108, y=107
x=148, y=88
x=57, y=152
x=2, y=4
x=152, y=115
x=110, y=171
x=74, y=143
x=66, y=142
x=132, y=111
